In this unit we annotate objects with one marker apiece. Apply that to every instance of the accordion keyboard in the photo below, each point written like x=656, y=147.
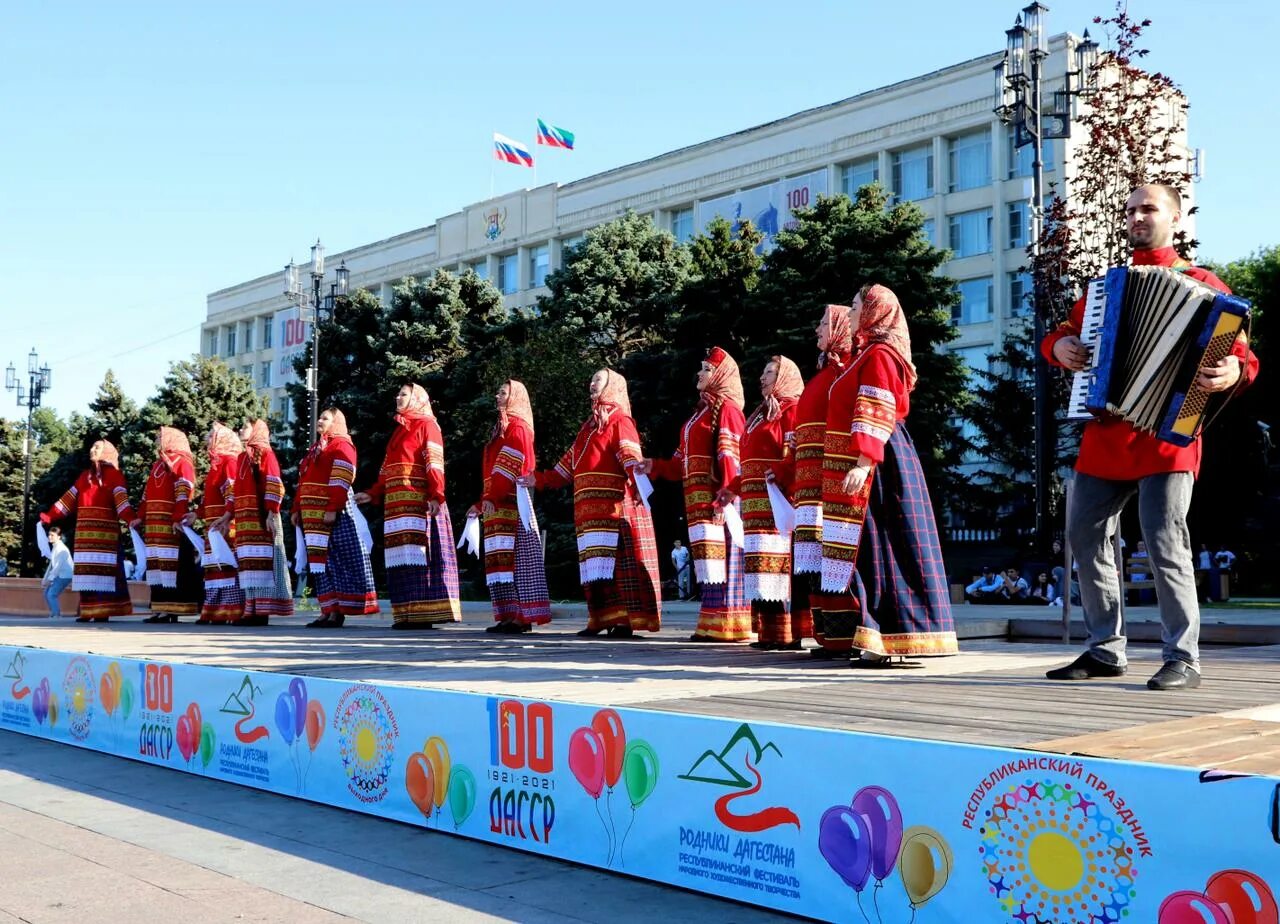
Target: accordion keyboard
x=1095, y=307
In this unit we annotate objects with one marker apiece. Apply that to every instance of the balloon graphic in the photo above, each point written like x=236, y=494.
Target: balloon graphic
x=1191, y=908
x=40, y=703
x=608, y=725
x=437, y=754
x=186, y=742
x=298, y=692
x=462, y=794
x=208, y=744
x=286, y=722
x=420, y=784
x=844, y=840
x=107, y=692
x=884, y=820
x=53, y=710
x=197, y=725
x=114, y=671
x=315, y=723
x=925, y=863
x=126, y=699
x=586, y=760
x=1246, y=896
x=640, y=766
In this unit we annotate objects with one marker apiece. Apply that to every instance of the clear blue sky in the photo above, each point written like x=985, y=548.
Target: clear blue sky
x=154, y=152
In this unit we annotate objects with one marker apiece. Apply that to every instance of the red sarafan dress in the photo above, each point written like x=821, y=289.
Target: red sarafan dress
x=99, y=501
x=260, y=555
x=223, y=598
x=617, y=550
x=173, y=564
x=708, y=462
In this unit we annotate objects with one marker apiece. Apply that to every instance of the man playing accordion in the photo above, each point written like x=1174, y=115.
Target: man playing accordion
x=1117, y=460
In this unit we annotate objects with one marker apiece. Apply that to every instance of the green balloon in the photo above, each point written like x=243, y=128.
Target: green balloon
x=208, y=744
x=126, y=700
x=462, y=794
x=640, y=768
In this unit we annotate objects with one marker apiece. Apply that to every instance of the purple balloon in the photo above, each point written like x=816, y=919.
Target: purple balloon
x=884, y=821
x=845, y=843
x=298, y=691
x=285, y=719
x=40, y=704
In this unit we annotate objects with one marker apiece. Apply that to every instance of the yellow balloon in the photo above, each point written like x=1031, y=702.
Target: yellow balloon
x=53, y=712
x=437, y=754
x=924, y=864
x=114, y=671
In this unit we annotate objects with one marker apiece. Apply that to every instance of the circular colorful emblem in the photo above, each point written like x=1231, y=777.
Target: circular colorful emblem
x=77, y=697
x=367, y=734
x=1052, y=853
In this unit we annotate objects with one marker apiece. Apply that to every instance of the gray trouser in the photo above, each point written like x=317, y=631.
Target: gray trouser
x=1162, y=511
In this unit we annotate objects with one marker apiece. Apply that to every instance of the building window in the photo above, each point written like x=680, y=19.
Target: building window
x=858, y=174
x=268, y=324
x=211, y=342
x=480, y=268
x=286, y=409
x=976, y=358
x=231, y=340
x=975, y=301
x=682, y=224
x=971, y=233
x=1022, y=159
x=508, y=273
x=264, y=375
x=1019, y=294
x=539, y=265
x=913, y=174
x=930, y=231
x=247, y=372
x=1019, y=223
x=969, y=161
x=247, y=345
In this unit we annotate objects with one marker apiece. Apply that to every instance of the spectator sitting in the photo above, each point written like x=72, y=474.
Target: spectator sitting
x=1014, y=587
x=985, y=589
x=1043, y=593
x=1058, y=574
x=1145, y=594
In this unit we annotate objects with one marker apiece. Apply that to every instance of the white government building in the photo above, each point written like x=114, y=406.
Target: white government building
x=933, y=140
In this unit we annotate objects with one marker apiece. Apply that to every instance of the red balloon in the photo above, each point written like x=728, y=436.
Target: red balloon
x=1247, y=897
x=197, y=724
x=1191, y=908
x=186, y=744
x=586, y=760
x=419, y=781
x=608, y=725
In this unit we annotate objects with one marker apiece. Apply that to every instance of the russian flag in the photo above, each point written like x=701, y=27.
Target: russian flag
x=511, y=151
x=555, y=137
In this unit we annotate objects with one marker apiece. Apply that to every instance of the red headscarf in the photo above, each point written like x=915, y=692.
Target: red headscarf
x=788, y=384
x=839, y=338
x=338, y=428
x=883, y=321
x=106, y=455
x=724, y=383
x=223, y=441
x=419, y=406
x=173, y=447
x=613, y=397
x=517, y=405
x=259, y=441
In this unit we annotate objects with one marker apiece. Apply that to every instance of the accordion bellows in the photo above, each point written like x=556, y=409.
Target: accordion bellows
x=1150, y=329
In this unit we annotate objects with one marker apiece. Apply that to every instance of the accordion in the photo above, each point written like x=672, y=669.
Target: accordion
x=1149, y=330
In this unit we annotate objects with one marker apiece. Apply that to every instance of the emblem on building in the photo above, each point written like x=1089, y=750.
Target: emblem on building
x=495, y=223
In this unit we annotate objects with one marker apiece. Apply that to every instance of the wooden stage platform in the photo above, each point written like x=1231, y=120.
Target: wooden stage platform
x=994, y=693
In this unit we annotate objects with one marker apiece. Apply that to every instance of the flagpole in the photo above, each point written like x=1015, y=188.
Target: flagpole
x=492, y=159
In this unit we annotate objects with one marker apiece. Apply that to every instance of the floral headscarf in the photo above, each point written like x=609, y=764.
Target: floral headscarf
x=787, y=385
x=840, y=339
x=259, y=441
x=419, y=406
x=517, y=405
x=174, y=446
x=223, y=441
x=106, y=454
x=613, y=397
x=883, y=321
x=725, y=382
x=338, y=428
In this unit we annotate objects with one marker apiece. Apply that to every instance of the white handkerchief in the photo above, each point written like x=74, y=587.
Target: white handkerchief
x=362, y=525
x=139, y=554
x=733, y=520
x=524, y=503
x=221, y=551
x=42, y=540
x=645, y=487
x=784, y=515
x=471, y=536
x=300, y=553
x=194, y=538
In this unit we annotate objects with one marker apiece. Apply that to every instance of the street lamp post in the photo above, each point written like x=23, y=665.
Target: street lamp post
x=1018, y=101
x=314, y=310
x=39, y=380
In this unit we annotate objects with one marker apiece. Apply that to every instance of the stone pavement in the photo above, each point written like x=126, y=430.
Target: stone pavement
x=87, y=837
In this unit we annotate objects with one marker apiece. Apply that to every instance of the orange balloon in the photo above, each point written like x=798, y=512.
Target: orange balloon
x=315, y=723
x=418, y=780
x=437, y=754
x=107, y=692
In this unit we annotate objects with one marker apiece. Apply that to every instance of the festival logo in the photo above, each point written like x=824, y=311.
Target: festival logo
x=521, y=763
x=13, y=712
x=495, y=223
x=1232, y=896
x=431, y=777
x=155, y=730
x=300, y=721
x=865, y=840
x=1060, y=847
x=367, y=733
x=242, y=702
x=599, y=756
x=77, y=697
x=719, y=768
x=17, y=664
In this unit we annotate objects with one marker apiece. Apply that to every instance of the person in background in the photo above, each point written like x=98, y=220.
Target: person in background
x=57, y=577
x=1013, y=587
x=985, y=589
x=223, y=598
x=259, y=548
x=1042, y=591
x=680, y=561
x=173, y=564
